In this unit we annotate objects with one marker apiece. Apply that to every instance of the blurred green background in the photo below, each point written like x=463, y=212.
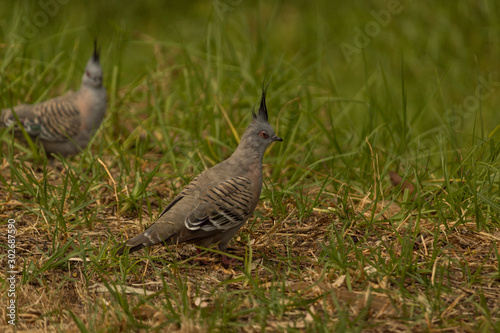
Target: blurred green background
x=412, y=76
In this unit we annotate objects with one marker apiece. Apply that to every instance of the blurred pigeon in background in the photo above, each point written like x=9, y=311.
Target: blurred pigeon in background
x=64, y=125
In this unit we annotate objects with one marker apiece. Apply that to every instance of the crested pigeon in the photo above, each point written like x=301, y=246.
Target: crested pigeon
x=64, y=124
x=217, y=202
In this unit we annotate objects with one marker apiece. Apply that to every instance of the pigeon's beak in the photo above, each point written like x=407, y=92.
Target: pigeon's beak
x=276, y=138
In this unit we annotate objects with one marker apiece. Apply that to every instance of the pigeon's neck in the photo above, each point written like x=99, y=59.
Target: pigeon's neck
x=88, y=86
x=95, y=94
x=92, y=106
x=248, y=154
x=247, y=161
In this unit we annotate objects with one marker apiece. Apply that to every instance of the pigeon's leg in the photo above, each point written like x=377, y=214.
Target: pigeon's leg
x=230, y=262
x=203, y=260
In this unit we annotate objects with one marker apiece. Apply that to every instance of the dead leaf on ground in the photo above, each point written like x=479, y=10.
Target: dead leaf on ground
x=397, y=179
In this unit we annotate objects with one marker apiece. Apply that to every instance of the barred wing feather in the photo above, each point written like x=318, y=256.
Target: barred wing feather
x=223, y=207
x=57, y=120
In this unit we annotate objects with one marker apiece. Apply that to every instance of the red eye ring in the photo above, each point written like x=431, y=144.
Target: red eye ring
x=263, y=134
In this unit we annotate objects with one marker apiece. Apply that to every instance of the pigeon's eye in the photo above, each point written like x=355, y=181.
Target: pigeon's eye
x=263, y=134
x=87, y=73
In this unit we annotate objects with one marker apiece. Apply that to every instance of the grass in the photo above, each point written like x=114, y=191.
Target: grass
x=336, y=243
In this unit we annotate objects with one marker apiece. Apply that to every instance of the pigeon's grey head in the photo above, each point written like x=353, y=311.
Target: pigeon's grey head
x=92, y=76
x=259, y=134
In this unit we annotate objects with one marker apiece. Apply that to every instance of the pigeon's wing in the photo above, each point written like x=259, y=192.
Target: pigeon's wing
x=222, y=207
x=164, y=228
x=218, y=209
x=58, y=119
x=55, y=120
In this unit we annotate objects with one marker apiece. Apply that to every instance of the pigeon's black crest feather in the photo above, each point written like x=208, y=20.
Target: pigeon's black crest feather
x=263, y=108
x=95, y=56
